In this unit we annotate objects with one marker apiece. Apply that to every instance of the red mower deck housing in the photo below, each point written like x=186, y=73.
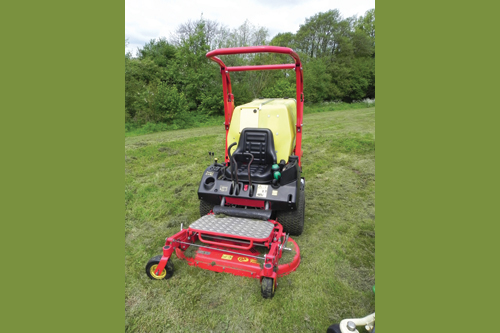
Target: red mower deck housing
x=233, y=253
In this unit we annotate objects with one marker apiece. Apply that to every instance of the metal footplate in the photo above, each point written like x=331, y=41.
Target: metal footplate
x=233, y=226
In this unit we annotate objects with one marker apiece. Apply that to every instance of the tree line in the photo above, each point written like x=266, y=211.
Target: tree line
x=171, y=81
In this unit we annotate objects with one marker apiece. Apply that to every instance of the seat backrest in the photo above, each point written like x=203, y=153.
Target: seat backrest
x=259, y=142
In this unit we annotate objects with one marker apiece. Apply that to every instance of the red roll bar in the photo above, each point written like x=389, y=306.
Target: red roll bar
x=227, y=90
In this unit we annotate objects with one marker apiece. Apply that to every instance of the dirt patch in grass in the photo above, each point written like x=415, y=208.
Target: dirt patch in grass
x=168, y=151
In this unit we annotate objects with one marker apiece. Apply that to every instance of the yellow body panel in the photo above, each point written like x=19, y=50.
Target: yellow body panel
x=279, y=115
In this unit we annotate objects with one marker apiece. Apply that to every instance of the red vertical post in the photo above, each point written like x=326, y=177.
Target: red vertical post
x=228, y=104
x=300, y=110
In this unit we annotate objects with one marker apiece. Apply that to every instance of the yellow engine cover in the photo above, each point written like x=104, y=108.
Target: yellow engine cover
x=277, y=114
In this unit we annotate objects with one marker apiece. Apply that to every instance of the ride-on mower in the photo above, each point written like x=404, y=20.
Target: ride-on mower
x=256, y=198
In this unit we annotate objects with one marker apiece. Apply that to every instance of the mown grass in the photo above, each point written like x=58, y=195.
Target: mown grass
x=338, y=106
x=199, y=120
x=195, y=120
x=337, y=271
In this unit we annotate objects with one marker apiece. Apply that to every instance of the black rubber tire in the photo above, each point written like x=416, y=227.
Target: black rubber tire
x=150, y=267
x=267, y=287
x=205, y=208
x=293, y=220
x=335, y=328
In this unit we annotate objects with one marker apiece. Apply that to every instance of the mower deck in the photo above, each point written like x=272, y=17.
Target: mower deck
x=241, y=262
x=228, y=244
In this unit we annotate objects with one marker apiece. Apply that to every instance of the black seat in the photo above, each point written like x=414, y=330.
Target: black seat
x=260, y=143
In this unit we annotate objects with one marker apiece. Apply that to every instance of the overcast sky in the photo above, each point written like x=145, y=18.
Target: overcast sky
x=150, y=19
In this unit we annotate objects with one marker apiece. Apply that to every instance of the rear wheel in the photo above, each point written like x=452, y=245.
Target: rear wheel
x=152, y=265
x=267, y=287
x=205, y=207
x=293, y=220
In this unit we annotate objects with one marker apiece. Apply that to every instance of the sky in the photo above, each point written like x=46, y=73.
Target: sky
x=151, y=19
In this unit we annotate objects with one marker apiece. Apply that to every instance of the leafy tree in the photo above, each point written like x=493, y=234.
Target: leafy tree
x=321, y=35
x=138, y=75
x=161, y=103
x=194, y=74
x=317, y=82
x=282, y=88
x=211, y=104
x=159, y=51
x=169, y=105
x=286, y=39
x=170, y=79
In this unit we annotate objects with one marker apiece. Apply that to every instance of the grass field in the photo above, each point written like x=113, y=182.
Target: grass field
x=337, y=270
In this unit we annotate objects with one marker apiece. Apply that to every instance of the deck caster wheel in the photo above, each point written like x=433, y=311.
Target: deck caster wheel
x=152, y=265
x=267, y=287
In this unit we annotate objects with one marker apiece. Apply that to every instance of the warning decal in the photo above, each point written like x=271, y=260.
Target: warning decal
x=242, y=259
x=254, y=261
x=262, y=191
x=227, y=257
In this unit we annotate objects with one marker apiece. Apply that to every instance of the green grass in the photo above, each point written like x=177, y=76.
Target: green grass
x=337, y=270
x=195, y=120
x=337, y=106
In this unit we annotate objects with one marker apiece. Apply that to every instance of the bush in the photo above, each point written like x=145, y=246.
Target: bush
x=170, y=105
x=131, y=126
x=317, y=82
x=281, y=88
x=161, y=103
x=211, y=104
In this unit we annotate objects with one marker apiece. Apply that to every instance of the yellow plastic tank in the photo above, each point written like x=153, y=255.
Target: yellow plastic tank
x=277, y=114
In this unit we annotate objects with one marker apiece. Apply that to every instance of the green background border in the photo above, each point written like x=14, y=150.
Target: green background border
x=62, y=151
x=435, y=176
x=62, y=155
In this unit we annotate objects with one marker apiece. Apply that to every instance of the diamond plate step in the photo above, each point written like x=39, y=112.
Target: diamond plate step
x=234, y=226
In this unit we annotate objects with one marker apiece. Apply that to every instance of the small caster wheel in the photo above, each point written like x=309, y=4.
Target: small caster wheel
x=152, y=265
x=267, y=287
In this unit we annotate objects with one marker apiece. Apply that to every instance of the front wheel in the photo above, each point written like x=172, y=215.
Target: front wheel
x=152, y=265
x=267, y=287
